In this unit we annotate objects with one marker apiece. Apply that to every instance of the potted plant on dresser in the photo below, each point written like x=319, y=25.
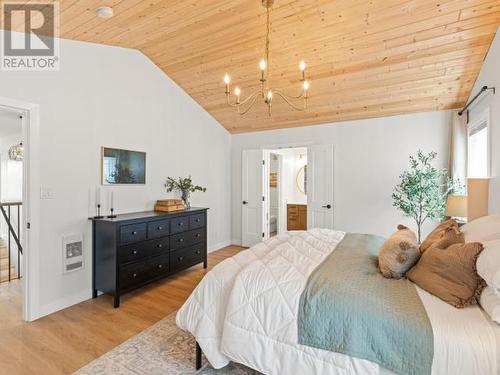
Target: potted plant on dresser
x=185, y=186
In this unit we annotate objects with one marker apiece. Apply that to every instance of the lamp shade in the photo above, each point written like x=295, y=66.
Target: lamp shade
x=478, y=197
x=456, y=206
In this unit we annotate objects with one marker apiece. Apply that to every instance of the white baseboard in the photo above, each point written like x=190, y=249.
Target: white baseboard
x=236, y=242
x=62, y=303
x=219, y=246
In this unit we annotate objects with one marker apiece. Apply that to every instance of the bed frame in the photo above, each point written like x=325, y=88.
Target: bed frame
x=198, y=356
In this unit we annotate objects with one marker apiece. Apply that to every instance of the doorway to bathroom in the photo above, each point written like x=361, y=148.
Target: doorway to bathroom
x=286, y=191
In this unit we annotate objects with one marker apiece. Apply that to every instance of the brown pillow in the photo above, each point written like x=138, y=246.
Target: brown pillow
x=398, y=253
x=450, y=272
x=436, y=234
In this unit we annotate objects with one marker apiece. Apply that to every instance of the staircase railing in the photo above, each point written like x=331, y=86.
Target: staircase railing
x=12, y=234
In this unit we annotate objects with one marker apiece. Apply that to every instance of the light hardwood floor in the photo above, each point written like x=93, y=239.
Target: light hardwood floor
x=65, y=341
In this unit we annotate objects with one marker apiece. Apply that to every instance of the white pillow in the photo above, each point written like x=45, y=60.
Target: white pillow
x=488, y=264
x=485, y=228
x=490, y=303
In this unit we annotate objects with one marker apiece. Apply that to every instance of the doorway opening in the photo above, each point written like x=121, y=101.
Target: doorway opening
x=11, y=213
x=286, y=194
x=303, y=195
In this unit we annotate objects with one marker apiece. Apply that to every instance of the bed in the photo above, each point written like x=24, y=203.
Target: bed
x=245, y=310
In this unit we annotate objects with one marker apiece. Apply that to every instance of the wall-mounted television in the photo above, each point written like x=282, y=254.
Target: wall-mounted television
x=122, y=167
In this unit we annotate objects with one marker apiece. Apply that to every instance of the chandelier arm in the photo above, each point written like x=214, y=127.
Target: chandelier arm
x=282, y=93
x=291, y=104
x=252, y=102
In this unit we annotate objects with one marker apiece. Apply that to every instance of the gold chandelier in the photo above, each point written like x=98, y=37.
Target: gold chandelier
x=298, y=102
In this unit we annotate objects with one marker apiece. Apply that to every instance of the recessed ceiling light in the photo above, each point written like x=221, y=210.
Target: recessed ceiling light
x=104, y=12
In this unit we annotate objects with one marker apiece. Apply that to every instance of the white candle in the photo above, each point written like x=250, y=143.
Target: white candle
x=112, y=199
x=98, y=196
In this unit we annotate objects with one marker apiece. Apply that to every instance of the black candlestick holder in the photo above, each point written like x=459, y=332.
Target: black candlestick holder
x=111, y=215
x=98, y=216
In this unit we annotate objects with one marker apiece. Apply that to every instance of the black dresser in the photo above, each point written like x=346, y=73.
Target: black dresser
x=135, y=249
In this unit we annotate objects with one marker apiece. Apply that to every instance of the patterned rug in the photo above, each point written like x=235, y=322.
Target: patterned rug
x=159, y=350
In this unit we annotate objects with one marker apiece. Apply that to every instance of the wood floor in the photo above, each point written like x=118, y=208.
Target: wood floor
x=65, y=341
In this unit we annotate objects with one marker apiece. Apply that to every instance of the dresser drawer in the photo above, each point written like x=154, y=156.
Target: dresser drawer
x=133, y=274
x=179, y=224
x=184, y=258
x=196, y=221
x=132, y=233
x=158, y=266
x=143, y=250
x=158, y=228
x=181, y=240
x=196, y=236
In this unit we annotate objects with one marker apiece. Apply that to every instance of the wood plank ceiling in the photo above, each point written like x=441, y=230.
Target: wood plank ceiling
x=366, y=58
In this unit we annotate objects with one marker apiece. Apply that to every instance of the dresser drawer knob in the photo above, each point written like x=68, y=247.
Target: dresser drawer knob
x=159, y=246
x=134, y=252
x=134, y=233
x=180, y=258
x=160, y=265
x=198, y=235
x=197, y=220
x=134, y=275
x=198, y=252
x=159, y=228
x=180, y=224
x=181, y=240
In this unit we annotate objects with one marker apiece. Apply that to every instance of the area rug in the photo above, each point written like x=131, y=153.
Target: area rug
x=159, y=350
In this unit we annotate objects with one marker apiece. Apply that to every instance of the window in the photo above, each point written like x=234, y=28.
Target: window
x=478, y=148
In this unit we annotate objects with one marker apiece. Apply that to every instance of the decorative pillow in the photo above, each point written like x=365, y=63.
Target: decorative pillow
x=398, y=253
x=490, y=303
x=436, y=234
x=450, y=273
x=488, y=264
x=486, y=228
x=449, y=236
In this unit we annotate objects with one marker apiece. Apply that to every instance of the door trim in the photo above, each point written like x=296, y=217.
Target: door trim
x=31, y=207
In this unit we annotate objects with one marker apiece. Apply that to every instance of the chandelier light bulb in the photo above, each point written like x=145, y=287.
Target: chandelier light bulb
x=262, y=64
x=302, y=65
x=306, y=85
x=227, y=79
x=269, y=95
x=237, y=91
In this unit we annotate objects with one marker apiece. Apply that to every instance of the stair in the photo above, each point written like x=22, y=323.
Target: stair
x=4, y=266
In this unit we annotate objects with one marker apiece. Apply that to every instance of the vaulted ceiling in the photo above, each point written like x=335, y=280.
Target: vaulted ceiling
x=366, y=58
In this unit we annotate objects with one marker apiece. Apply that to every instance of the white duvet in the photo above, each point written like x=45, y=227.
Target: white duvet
x=245, y=310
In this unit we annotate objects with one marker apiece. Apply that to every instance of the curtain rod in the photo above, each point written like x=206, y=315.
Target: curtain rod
x=483, y=89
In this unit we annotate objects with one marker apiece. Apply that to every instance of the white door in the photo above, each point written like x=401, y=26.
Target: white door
x=251, y=205
x=320, y=186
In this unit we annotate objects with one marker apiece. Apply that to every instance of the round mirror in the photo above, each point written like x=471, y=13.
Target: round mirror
x=302, y=179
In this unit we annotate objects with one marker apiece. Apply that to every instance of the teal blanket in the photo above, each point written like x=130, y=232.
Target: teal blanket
x=349, y=307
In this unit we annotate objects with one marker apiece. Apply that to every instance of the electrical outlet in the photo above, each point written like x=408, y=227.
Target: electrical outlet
x=46, y=193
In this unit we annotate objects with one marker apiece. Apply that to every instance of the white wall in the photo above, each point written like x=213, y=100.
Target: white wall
x=115, y=97
x=369, y=157
x=490, y=76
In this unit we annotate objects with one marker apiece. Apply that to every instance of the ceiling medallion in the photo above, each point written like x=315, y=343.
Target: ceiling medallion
x=267, y=93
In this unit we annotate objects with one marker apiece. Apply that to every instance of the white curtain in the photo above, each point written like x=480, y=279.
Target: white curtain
x=458, y=148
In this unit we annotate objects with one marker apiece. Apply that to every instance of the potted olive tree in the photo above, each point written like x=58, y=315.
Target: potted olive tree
x=423, y=189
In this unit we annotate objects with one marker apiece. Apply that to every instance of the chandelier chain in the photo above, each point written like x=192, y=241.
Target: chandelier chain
x=268, y=22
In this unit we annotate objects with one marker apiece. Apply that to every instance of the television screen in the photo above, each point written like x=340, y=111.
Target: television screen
x=123, y=167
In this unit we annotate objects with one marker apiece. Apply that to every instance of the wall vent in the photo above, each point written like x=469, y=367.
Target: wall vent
x=72, y=253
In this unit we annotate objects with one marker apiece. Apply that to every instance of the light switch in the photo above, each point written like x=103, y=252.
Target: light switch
x=46, y=193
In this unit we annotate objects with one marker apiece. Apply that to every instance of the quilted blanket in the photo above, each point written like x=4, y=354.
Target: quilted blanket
x=246, y=309
x=348, y=307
